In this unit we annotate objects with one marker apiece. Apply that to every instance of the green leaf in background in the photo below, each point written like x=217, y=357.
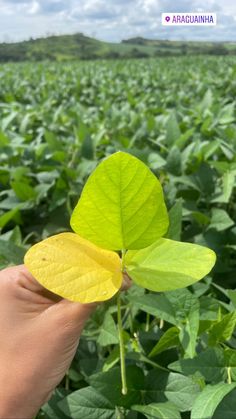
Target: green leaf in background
x=156, y=305
x=210, y=364
x=179, y=307
x=87, y=148
x=4, y=140
x=220, y=220
x=208, y=400
x=174, y=161
x=227, y=407
x=23, y=191
x=226, y=115
x=51, y=409
x=14, y=236
x=112, y=359
x=176, y=388
x=109, y=385
x=155, y=161
x=175, y=221
x=232, y=296
x=207, y=100
x=5, y=122
x=121, y=206
x=168, y=264
x=155, y=384
x=12, y=253
x=228, y=183
x=168, y=340
x=87, y=403
x=173, y=131
x=158, y=410
x=210, y=148
x=230, y=363
x=108, y=334
x=189, y=325
x=12, y=214
x=182, y=391
x=222, y=330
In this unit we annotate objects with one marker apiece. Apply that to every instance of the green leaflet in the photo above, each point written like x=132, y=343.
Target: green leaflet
x=227, y=408
x=177, y=389
x=182, y=391
x=186, y=316
x=168, y=265
x=220, y=220
x=232, y=296
x=222, y=330
x=187, y=312
x=51, y=409
x=165, y=410
x=156, y=305
x=172, y=129
x=11, y=252
x=109, y=385
x=175, y=218
x=108, y=334
x=87, y=403
x=208, y=400
x=121, y=206
x=228, y=183
x=169, y=339
x=23, y=191
x=210, y=364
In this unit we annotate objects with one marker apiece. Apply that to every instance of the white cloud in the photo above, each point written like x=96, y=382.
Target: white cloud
x=112, y=20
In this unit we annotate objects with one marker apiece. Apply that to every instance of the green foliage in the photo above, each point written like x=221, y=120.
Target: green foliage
x=209, y=399
x=89, y=404
x=56, y=123
x=158, y=410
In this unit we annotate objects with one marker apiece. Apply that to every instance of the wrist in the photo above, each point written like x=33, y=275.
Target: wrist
x=17, y=406
x=16, y=400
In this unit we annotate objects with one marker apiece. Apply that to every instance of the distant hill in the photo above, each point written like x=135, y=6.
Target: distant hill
x=79, y=46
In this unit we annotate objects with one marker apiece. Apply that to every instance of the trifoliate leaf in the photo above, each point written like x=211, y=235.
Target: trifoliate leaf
x=74, y=268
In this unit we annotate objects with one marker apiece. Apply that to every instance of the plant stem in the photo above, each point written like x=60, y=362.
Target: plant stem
x=120, y=332
x=147, y=322
x=229, y=379
x=122, y=346
x=161, y=324
x=123, y=251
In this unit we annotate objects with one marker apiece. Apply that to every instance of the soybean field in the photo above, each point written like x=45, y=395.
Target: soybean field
x=177, y=115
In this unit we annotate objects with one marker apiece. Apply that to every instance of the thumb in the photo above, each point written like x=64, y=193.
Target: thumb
x=76, y=314
x=73, y=314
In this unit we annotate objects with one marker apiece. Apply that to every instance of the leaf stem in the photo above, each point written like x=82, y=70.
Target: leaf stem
x=147, y=322
x=123, y=251
x=122, y=347
x=229, y=379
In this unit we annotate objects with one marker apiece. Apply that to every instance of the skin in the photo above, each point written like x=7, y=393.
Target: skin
x=39, y=335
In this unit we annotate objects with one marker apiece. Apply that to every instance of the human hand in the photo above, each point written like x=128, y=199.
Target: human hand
x=39, y=334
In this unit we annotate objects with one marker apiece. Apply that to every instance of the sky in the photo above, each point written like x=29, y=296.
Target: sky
x=113, y=20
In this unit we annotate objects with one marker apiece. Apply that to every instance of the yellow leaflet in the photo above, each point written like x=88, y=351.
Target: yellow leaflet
x=75, y=268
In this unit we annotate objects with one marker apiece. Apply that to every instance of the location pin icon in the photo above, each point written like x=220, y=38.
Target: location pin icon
x=167, y=19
